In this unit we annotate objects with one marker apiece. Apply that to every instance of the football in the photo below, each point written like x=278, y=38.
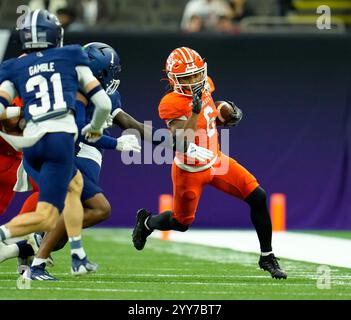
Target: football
x=226, y=112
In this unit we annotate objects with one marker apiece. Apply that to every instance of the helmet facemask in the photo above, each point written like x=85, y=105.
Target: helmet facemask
x=188, y=82
x=110, y=80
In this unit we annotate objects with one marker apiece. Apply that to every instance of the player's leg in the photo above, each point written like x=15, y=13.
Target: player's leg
x=48, y=161
x=44, y=219
x=240, y=183
x=96, y=210
x=21, y=249
x=187, y=189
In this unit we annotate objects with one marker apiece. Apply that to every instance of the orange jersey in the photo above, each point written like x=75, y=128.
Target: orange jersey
x=175, y=106
x=5, y=148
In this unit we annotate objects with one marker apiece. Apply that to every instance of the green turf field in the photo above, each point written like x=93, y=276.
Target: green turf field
x=168, y=270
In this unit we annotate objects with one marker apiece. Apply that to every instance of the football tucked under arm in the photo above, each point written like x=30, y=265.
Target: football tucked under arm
x=229, y=114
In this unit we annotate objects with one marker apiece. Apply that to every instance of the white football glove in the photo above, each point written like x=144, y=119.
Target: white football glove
x=128, y=142
x=199, y=153
x=108, y=123
x=91, y=134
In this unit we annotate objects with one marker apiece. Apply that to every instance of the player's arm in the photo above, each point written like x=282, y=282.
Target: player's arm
x=124, y=143
x=10, y=113
x=92, y=88
x=184, y=130
x=7, y=94
x=126, y=121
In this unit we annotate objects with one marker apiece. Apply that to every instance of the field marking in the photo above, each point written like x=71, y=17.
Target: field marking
x=234, y=284
x=291, y=245
x=154, y=275
x=146, y=275
x=166, y=292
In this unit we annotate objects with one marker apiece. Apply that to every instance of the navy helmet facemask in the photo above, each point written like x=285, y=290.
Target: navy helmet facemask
x=105, y=65
x=40, y=30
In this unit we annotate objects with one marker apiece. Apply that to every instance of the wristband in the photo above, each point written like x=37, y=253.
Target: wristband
x=13, y=112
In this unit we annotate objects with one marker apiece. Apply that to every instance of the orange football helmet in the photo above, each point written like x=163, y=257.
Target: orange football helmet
x=186, y=70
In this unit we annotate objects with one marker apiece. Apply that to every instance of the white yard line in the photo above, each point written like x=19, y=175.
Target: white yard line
x=291, y=245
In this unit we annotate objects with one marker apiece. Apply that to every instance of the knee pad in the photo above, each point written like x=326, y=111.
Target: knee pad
x=257, y=196
x=178, y=226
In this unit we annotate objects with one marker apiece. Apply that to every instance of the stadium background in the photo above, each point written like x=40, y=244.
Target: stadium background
x=294, y=90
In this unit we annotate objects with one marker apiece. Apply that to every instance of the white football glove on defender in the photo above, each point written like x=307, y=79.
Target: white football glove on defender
x=128, y=142
x=199, y=153
x=91, y=134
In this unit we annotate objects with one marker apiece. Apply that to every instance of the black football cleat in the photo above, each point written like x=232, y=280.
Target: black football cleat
x=270, y=263
x=140, y=232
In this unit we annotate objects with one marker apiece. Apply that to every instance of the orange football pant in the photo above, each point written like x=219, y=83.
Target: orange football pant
x=226, y=175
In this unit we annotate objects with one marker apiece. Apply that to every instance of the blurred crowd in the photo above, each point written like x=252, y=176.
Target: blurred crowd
x=189, y=16
x=225, y=15
x=198, y=15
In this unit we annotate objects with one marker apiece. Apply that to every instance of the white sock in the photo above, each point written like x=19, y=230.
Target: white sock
x=38, y=261
x=76, y=247
x=8, y=252
x=4, y=233
x=265, y=254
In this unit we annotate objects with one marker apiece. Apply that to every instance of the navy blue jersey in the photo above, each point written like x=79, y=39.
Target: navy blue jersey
x=85, y=114
x=115, y=101
x=47, y=80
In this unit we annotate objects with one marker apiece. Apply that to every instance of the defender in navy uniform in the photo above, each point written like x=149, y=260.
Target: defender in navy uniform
x=105, y=65
x=103, y=60
x=47, y=78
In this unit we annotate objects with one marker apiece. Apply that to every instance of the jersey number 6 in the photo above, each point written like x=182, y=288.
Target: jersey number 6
x=211, y=129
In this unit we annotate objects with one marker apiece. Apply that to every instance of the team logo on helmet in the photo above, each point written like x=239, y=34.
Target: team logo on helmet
x=186, y=70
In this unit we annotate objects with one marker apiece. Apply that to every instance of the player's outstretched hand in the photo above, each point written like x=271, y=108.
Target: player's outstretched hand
x=199, y=153
x=128, y=142
x=197, y=100
x=91, y=134
x=236, y=116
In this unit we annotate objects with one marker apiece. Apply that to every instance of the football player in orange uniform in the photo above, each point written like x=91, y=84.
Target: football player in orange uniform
x=9, y=159
x=190, y=113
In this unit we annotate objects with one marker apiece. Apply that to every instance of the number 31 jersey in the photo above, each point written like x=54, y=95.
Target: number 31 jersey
x=175, y=106
x=46, y=80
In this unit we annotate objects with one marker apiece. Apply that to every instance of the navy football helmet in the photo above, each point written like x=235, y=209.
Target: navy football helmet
x=105, y=65
x=40, y=30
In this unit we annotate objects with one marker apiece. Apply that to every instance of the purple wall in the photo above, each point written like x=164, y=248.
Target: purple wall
x=295, y=134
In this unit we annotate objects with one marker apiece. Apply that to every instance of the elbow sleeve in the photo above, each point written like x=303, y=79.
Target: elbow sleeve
x=103, y=108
